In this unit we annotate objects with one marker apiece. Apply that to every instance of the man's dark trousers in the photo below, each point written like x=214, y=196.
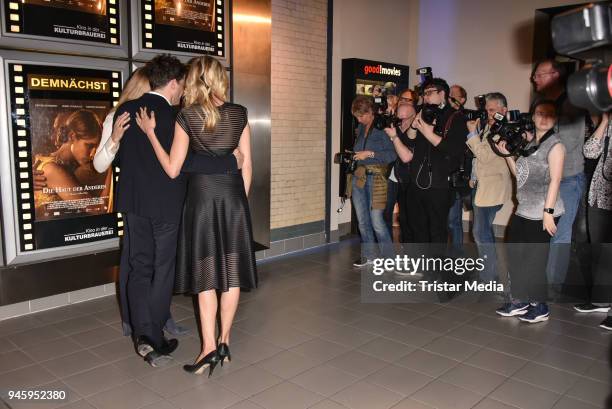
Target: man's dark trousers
x=152, y=258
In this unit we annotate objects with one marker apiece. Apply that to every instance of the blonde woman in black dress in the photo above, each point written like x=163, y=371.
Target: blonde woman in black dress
x=215, y=251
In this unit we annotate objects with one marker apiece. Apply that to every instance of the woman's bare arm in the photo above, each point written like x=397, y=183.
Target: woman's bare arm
x=247, y=167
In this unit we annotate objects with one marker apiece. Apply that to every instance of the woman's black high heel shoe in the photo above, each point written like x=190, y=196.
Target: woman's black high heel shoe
x=224, y=352
x=211, y=360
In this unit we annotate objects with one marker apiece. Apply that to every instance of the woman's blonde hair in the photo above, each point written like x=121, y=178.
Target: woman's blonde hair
x=136, y=86
x=206, y=78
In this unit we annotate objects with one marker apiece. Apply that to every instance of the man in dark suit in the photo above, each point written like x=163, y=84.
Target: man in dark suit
x=151, y=203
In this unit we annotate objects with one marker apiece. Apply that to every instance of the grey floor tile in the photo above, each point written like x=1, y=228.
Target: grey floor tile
x=6, y=345
x=70, y=396
x=97, y=380
x=68, y=365
x=497, y=362
x=286, y=364
x=172, y=381
x=9, y=361
x=357, y=363
x=254, y=350
x=473, y=335
x=571, y=403
x=19, y=324
x=286, y=395
x=162, y=404
x=524, y=395
x=115, y=350
x=325, y=380
x=248, y=381
x=35, y=336
x=546, y=377
x=452, y=348
x=581, y=347
x=81, y=404
x=443, y=395
x=320, y=350
x=245, y=404
x=347, y=336
x=97, y=336
x=209, y=395
x=131, y=395
x=489, y=403
x=364, y=395
x=375, y=325
x=412, y=335
x=33, y=375
x=409, y=403
x=593, y=392
x=437, y=325
x=135, y=366
x=600, y=371
x=47, y=350
x=427, y=363
x=285, y=336
x=386, y=349
x=328, y=404
x=516, y=347
x=564, y=360
x=78, y=324
x=399, y=379
x=474, y=379
x=108, y=316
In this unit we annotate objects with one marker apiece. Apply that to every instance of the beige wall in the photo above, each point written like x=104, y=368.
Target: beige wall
x=372, y=30
x=299, y=60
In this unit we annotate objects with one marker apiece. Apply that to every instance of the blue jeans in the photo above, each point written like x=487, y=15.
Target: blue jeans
x=372, y=226
x=485, y=239
x=571, y=192
x=455, y=221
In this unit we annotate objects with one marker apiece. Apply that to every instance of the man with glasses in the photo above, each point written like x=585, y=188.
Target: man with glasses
x=549, y=82
x=438, y=150
x=408, y=96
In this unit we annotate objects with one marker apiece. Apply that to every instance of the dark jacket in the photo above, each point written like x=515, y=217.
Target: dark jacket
x=144, y=188
x=439, y=160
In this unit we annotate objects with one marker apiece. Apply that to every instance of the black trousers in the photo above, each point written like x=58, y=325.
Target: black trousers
x=428, y=214
x=527, y=260
x=152, y=258
x=600, y=232
x=403, y=199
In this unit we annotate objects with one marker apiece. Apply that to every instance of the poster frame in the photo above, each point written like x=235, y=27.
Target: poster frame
x=66, y=45
x=144, y=54
x=8, y=189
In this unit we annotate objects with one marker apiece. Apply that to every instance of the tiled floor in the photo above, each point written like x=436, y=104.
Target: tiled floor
x=304, y=340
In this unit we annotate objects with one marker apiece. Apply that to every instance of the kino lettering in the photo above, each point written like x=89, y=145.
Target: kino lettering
x=379, y=69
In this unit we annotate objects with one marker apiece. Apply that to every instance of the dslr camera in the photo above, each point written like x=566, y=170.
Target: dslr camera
x=511, y=128
x=479, y=113
x=346, y=158
x=382, y=119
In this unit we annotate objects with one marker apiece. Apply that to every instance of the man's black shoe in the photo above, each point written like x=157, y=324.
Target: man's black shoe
x=168, y=346
x=607, y=324
x=145, y=349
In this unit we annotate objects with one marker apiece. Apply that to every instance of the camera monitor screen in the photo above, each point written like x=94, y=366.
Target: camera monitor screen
x=85, y=20
x=57, y=115
x=191, y=26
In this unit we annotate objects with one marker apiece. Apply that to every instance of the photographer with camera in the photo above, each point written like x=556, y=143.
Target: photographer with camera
x=401, y=169
x=438, y=147
x=494, y=184
x=368, y=185
x=538, y=174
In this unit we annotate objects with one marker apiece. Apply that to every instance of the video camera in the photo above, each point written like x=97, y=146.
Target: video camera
x=579, y=33
x=511, y=128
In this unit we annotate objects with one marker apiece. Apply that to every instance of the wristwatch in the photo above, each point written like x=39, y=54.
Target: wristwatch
x=549, y=210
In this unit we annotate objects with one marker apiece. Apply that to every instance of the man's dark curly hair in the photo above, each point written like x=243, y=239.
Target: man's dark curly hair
x=164, y=68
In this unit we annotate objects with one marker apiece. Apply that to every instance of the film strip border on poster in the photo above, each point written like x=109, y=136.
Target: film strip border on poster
x=148, y=30
x=15, y=24
x=24, y=189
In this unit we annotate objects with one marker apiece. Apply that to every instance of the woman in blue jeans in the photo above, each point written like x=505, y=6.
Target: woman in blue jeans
x=373, y=153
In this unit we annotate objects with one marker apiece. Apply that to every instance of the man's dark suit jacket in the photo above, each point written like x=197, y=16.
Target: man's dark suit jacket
x=144, y=187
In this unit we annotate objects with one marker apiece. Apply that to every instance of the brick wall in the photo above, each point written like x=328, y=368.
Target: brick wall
x=299, y=50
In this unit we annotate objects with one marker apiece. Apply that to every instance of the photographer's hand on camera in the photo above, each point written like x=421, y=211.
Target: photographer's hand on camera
x=362, y=155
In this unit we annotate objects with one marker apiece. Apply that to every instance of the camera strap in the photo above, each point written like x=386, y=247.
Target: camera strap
x=533, y=149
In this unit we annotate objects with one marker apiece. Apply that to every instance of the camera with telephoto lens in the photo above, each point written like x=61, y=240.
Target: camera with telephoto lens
x=511, y=129
x=346, y=158
x=382, y=119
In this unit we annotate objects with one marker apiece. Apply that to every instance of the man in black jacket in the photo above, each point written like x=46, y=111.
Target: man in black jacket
x=151, y=203
x=438, y=151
